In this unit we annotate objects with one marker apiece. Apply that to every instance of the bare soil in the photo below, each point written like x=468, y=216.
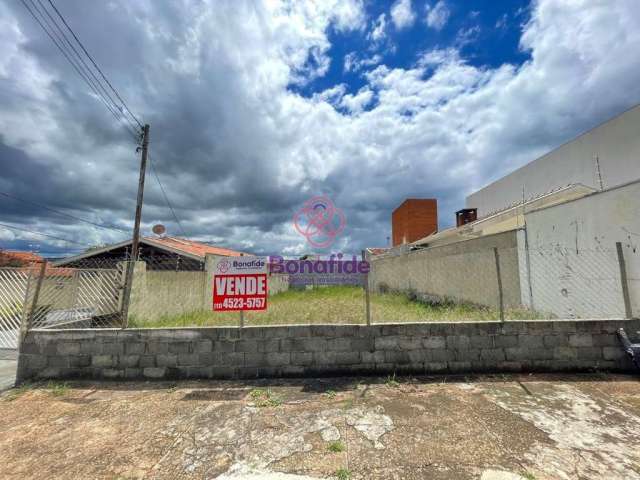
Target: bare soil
x=486, y=427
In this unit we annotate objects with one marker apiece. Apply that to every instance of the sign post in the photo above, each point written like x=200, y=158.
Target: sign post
x=239, y=284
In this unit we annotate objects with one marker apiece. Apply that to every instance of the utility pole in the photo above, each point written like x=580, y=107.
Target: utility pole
x=136, y=228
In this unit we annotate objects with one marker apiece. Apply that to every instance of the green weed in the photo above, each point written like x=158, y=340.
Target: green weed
x=58, y=389
x=335, y=304
x=336, y=447
x=391, y=381
x=343, y=474
x=265, y=398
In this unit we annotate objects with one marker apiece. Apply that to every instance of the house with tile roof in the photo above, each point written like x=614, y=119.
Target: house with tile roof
x=14, y=258
x=161, y=253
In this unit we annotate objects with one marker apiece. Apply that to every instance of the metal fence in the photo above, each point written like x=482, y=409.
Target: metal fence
x=13, y=296
x=508, y=283
x=576, y=283
x=77, y=297
x=43, y=296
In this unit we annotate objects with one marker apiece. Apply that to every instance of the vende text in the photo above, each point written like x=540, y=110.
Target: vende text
x=240, y=292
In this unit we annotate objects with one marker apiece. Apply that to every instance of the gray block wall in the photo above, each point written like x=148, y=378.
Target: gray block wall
x=463, y=271
x=309, y=350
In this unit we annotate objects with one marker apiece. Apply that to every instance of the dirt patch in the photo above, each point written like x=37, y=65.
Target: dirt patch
x=494, y=428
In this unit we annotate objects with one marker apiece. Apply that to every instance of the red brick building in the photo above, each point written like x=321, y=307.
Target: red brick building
x=414, y=219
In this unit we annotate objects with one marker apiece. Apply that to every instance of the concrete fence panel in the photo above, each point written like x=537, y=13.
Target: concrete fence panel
x=462, y=272
x=306, y=350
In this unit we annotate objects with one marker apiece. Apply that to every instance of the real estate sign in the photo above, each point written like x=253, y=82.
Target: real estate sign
x=240, y=283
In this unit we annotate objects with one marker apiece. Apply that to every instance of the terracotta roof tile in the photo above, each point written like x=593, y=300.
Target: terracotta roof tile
x=195, y=248
x=25, y=257
x=30, y=262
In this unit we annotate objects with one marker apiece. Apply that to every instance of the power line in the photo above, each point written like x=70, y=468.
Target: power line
x=96, y=65
x=77, y=67
x=86, y=73
x=61, y=38
x=68, y=215
x=166, y=198
x=43, y=234
x=81, y=59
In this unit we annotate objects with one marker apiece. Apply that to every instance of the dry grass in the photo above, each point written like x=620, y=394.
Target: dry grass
x=341, y=305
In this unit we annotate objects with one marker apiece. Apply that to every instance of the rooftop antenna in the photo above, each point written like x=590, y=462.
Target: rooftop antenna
x=159, y=229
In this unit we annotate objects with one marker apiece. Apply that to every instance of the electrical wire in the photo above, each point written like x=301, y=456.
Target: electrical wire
x=166, y=198
x=76, y=60
x=43, y=234
x=68, y=215
x=96, y=65
x=55, y=39
x=86, y=69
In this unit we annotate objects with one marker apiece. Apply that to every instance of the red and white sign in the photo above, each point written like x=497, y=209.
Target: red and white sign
x=240, y=283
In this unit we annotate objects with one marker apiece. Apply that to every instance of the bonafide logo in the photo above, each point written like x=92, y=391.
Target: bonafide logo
x=319, y=221
x=223, y=266
x=333, y=271
x=248, y=264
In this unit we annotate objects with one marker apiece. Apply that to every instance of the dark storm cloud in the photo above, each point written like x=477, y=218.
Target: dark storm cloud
x=239, y=151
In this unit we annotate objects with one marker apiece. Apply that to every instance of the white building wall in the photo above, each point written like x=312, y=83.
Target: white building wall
x=572, y=254
x=616, y=143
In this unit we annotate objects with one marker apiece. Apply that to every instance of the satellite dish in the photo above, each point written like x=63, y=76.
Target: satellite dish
x=158, y=229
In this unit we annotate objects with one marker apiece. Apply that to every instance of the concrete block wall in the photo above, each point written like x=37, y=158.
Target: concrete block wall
x=308, y=350
x=157, y=293
x=463, y=271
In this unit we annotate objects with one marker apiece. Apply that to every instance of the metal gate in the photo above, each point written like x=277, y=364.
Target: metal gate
x=14, y=285
x=50, y=297
x=77, y=298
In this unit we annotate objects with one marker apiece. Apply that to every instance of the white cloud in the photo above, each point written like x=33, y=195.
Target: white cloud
x=502, y=21
x=352, y=63
x=466, y=36
x=402, y=14
x=240, y=150
x=356, y=103
x=332, y=95
x=350, y=15
x=437, y=15
x=378, y=32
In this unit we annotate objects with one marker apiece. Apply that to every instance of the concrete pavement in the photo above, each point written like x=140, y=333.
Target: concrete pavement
x=502, y=427
x=8, y=365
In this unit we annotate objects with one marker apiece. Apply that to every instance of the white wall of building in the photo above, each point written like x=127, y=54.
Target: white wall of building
x=615, y=143
x=574, y=268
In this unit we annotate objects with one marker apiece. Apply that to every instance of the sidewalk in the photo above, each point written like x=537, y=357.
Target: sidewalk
x=490, y=428
x=8, y=365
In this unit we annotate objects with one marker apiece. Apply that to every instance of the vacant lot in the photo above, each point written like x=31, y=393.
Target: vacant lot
x=335, y=305
x=527, y=427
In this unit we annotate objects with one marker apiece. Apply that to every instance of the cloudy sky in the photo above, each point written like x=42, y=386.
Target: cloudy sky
x=255, y=107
